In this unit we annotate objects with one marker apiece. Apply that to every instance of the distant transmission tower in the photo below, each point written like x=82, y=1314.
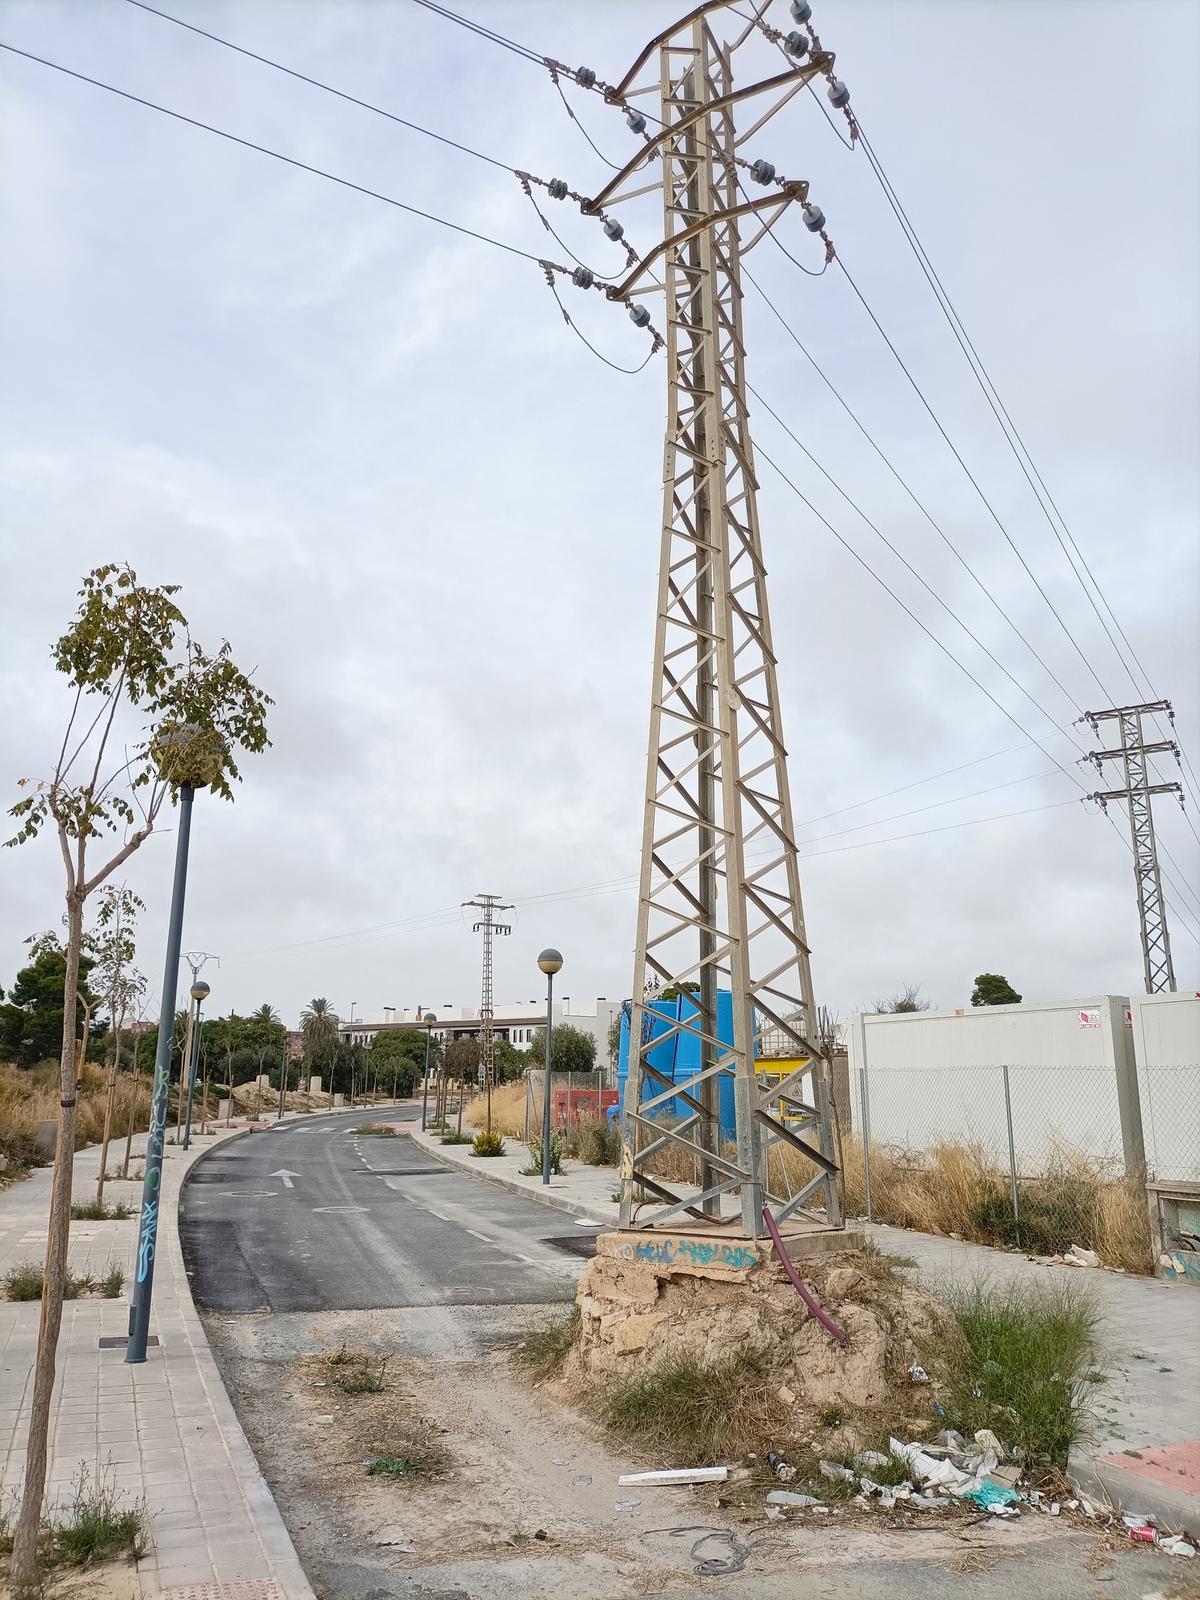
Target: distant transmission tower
x=489, y=904
x=720, y=916
x=1133, y=752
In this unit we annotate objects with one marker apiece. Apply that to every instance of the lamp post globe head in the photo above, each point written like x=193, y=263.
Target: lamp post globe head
x=429, y=1019
x=200, y=991
x=550, y=961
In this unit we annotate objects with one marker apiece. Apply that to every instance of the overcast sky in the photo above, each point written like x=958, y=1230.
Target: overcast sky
x=382, y=467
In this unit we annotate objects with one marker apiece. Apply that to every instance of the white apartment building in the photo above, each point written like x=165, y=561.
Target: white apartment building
x=515, y=1020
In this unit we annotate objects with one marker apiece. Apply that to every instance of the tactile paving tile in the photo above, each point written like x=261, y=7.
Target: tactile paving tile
x=244, y=1589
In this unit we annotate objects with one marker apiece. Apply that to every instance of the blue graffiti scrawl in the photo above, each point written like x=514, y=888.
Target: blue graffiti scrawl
x=697, y=1253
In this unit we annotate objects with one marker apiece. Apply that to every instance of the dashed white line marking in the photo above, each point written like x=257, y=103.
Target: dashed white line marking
x=482, y=1236
x=438, y=1215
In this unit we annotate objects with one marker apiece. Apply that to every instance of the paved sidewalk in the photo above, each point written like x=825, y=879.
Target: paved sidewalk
x=1145, y=1451
x=166, y=1430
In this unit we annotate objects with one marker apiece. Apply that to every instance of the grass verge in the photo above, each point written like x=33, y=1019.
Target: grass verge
x=542, y=1350
x=1030, y=1369
x=413, y=1459
x=702, y=1411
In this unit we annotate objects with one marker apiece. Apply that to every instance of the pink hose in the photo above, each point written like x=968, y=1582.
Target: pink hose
x=810, y=1300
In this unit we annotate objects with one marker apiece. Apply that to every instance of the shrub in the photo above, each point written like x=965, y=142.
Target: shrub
x=97, y=1527
x=487, y=1144
x=76, y=1284
x=89, y=1211
x=113, y=1281
x=535, y=1156
x=595, y=1141
x=450, y=1137
x=24, y=1281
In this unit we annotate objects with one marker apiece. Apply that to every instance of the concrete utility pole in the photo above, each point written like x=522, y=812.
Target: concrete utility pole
x=720, y=915
x=489, y=904
x=1133, y=752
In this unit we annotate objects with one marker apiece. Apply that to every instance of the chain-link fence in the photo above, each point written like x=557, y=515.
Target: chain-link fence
x=1040, y=1158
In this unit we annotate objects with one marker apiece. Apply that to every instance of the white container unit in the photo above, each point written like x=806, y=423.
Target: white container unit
x=1061, y=1073
x=1166, y=1042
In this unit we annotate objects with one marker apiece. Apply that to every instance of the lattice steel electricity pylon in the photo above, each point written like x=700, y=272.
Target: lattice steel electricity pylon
x=489, y=904
x=1133, y=752
x=720, y=907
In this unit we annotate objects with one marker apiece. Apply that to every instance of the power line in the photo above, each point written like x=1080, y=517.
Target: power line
x=999, y=410
x=950, y=612
x=909, y=491
x=317, y=83
x=483, y=32
x=991, y=510
x=291, y=161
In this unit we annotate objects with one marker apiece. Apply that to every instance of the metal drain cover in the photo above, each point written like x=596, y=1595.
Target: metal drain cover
x=118, y=1341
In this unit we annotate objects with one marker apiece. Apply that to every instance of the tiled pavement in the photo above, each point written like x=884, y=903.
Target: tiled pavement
x=165, y=1430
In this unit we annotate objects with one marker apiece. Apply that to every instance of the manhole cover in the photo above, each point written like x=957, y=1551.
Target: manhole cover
x=118, y=1341
x=575, y=1244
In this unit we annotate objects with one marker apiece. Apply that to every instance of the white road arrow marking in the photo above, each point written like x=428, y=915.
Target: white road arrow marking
x=286, y=1176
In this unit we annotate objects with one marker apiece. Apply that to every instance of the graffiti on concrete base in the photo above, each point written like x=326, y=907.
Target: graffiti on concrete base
x=697, y=1253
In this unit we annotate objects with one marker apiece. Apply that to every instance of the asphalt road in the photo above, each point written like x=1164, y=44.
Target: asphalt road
x=312, y=1217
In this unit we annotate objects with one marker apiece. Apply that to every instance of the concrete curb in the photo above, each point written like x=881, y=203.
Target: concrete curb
x=1174, y=1510
x=267, y=1510
x=559, y=1202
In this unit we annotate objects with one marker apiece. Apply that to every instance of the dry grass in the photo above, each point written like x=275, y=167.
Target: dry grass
x=29, y=1096
x=508, y=1110
x=954, y=1188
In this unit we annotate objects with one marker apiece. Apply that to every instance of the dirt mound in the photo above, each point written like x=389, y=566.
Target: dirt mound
x=634, y=1316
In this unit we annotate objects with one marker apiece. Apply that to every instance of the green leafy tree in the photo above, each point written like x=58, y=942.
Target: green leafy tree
x=571, y=1050
x=121, y=988
x=151, y=712
x=31, y=1020
x=993, y=990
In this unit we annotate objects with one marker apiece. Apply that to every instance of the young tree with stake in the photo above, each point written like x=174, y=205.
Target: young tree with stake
x=121, y=988
x=178, y=717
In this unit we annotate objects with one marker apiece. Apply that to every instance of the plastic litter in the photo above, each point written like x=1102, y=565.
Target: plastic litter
x=989, y=1495
x=918, y=1374
x=779, y=1467
x=672, y=1476
x=711, y=1566
x=871, y=1458
x=785, y=1497
x=831, y=1469
x=627, y=1505
x=1177, y=1545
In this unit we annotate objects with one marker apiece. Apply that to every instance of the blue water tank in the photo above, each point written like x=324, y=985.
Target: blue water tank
x=678, y=1056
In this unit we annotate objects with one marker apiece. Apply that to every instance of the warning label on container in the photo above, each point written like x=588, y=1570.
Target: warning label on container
x=1128, y=1017
x=1090, y=1018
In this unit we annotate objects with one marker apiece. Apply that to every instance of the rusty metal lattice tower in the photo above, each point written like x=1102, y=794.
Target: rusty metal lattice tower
x=489, y=904
x=1134, y=754
x=720, y=914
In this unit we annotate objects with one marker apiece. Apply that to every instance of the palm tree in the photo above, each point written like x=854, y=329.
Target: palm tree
x=269, y=1016
x=318, y=1024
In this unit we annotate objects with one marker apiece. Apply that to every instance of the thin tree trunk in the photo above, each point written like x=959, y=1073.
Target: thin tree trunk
x=135, y=1096
x=204, y=1103
x=24, y=1568
x=109, y=1101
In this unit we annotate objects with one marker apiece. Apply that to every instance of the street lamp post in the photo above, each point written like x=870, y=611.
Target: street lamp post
x=200, y=992
x=429, y=1019
x=143, y=1280
x=550, y=962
